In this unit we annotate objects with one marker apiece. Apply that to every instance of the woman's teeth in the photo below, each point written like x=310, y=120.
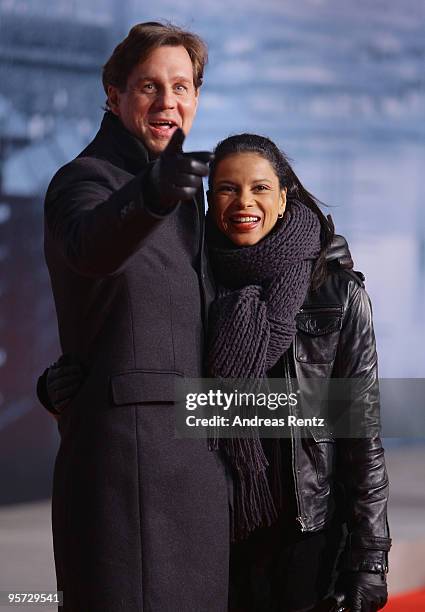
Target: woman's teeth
x=245, y=219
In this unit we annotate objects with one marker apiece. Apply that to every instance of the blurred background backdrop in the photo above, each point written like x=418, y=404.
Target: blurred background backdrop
x=339, y=85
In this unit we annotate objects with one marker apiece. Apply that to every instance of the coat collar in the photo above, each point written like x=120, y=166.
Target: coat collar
x=115, y=143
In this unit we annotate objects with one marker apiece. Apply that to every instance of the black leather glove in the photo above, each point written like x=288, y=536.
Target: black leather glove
x=175, y=175
x=338, y=250
x=364, y=591
x=63, y=380
x=332, y=604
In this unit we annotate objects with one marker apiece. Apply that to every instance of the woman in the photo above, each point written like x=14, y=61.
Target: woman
x=282, y=311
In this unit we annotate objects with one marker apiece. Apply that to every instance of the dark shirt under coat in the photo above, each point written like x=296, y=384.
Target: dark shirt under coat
x=140, y=518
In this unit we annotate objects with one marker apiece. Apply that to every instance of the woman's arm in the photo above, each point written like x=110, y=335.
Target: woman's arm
x=361, y=462
x=60, y=383
x=361, y=459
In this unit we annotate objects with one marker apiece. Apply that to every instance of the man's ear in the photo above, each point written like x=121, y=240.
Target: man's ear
x=114, y=99
x=197, y=92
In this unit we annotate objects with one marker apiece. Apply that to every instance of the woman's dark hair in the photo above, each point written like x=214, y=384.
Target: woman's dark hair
x=142, y=39
x=253, y=143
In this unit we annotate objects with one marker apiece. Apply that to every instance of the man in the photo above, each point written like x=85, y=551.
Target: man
x=140, y=519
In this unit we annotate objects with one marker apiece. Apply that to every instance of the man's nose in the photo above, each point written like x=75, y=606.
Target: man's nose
x=165, y=98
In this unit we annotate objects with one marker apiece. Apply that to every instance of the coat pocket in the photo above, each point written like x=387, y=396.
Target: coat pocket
x=317, y=335
x=144, y=387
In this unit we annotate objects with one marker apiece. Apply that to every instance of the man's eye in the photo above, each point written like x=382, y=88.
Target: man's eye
x=260, y=187
x=181, y=88
x=226, y=188
x=149, y=87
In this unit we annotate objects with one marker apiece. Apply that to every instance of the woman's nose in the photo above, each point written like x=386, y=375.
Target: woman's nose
x=246, y=199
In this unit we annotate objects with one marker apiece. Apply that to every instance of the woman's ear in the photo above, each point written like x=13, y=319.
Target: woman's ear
x=282, y=201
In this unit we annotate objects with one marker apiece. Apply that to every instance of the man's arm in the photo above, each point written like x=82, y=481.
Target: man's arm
x=97, y=226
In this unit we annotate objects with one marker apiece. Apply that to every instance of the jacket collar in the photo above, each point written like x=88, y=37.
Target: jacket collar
x=116, y=143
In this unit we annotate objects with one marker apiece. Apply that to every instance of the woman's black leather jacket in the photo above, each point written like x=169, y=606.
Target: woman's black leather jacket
x=333, y=470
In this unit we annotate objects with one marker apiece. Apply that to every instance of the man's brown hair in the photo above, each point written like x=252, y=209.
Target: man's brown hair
x=142, y=39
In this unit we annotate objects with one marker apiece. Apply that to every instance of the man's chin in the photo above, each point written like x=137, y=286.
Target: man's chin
x=156, y=146
x=156, y=141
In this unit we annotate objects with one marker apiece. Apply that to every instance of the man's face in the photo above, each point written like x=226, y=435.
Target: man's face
x=159, y=98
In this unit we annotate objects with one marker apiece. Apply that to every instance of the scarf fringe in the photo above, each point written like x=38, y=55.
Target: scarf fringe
x=254, y=503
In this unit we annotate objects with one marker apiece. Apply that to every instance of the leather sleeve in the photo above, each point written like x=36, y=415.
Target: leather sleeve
x=95, y=225
x=361, y=460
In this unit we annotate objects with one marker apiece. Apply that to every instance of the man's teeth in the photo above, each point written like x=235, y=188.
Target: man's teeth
x=245, y=219
x=168, y=124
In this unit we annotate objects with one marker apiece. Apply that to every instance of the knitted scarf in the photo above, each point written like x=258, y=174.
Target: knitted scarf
x=260, y=289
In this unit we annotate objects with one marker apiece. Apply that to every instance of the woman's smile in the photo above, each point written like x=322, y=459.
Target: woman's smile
x=244, y=223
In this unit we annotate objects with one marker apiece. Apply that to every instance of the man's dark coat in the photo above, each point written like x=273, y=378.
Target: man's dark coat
x=140, y=518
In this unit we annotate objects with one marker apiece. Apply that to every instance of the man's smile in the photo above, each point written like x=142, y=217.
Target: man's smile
x=162, y=128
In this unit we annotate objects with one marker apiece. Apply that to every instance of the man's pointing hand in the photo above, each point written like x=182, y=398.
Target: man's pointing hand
x=176, y=175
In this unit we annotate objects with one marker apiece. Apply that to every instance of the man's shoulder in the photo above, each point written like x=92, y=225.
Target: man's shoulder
x=86, y=169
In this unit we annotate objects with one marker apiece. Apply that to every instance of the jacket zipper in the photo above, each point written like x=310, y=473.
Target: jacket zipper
x=299, y=518
x=321, y=309
x=301, y=522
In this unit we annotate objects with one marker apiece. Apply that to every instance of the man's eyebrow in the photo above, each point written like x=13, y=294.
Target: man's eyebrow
x=152, y=78
x=144, y=78
x=181, y=77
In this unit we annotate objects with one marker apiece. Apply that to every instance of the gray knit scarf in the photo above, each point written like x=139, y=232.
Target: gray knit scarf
x=260, y=289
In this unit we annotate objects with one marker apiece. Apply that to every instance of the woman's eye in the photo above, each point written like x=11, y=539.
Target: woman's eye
x=226, y=189
x=260, y=187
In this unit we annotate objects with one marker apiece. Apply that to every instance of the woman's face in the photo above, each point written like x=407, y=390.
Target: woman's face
x=246, y=197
